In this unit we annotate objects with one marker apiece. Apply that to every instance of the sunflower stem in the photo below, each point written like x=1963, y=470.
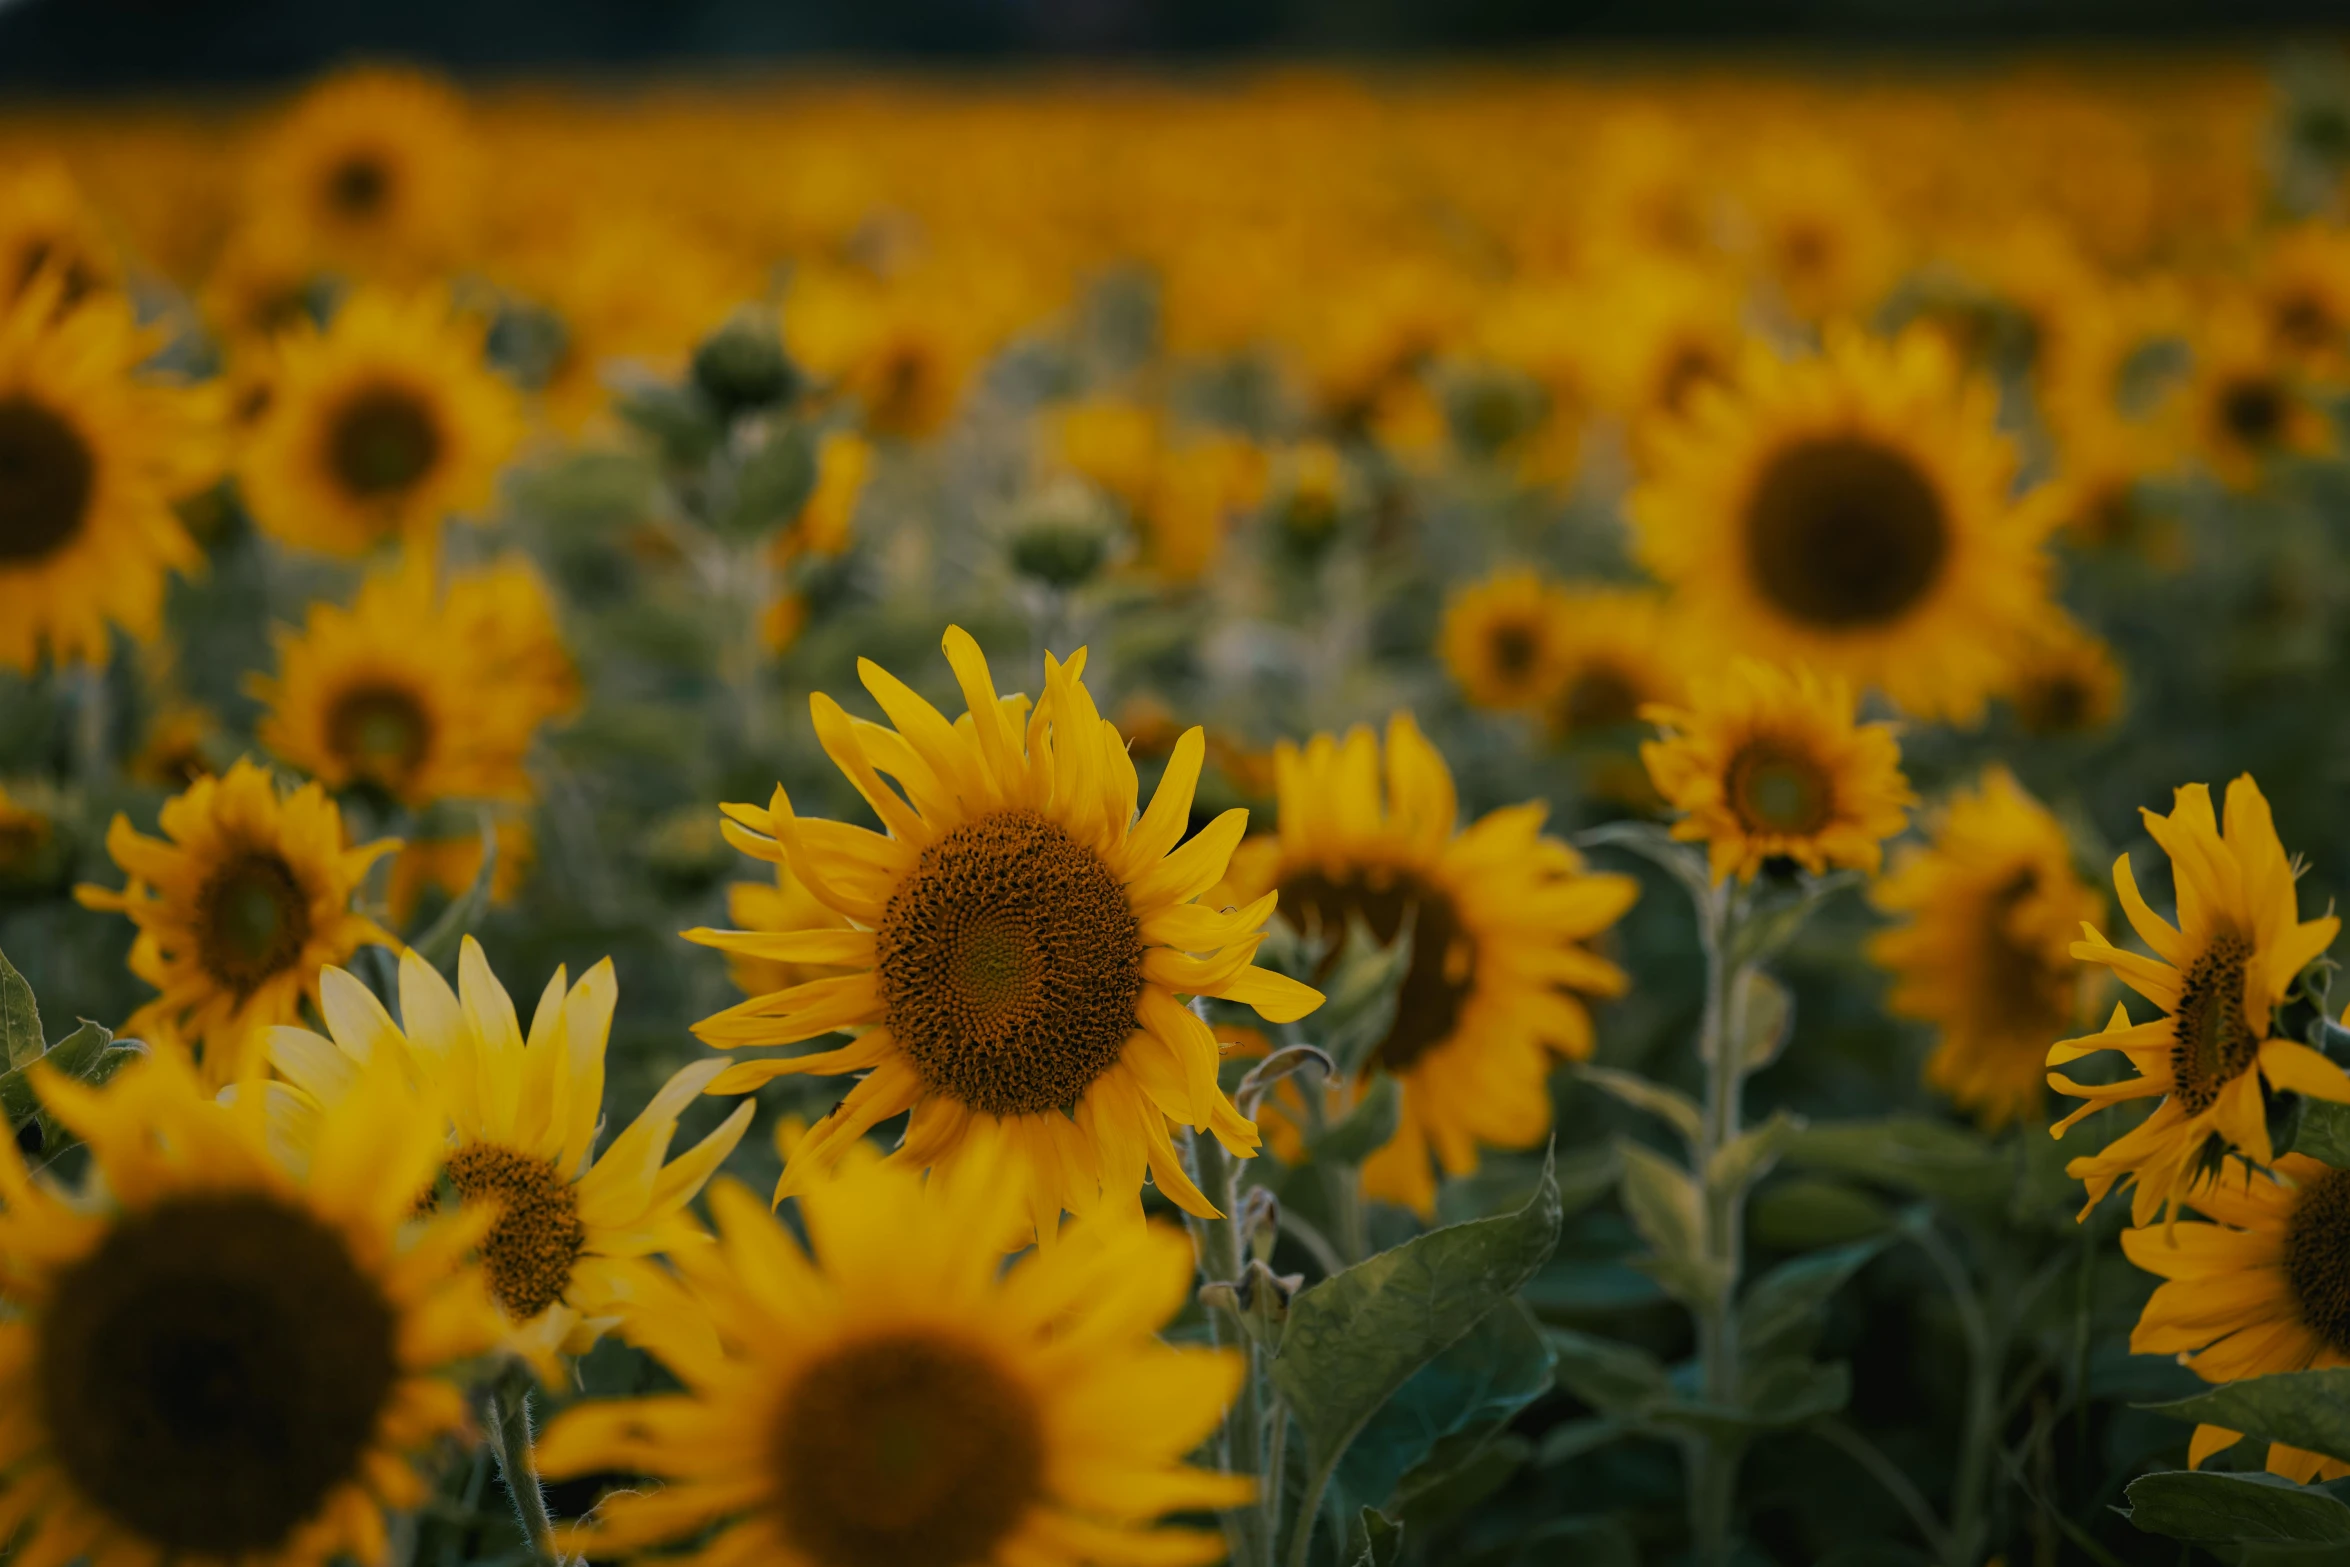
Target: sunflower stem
x=1220, y=1247
x=1713, y=1460
x=509, y=1426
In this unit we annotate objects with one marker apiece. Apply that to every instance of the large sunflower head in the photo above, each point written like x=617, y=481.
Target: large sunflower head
x=892, y=1397
x=92, y=455
x=1989, y=908
x=212, y=1358
x=1852, y=512
x=2217, y=976
x=570, y=1230
x=1766, y=763
x=1619, y=652
x=1501, y=917
x=238, y=904
x=2264, y=1289
x=381, y=425
x=1018, y=942
x=1503, y=641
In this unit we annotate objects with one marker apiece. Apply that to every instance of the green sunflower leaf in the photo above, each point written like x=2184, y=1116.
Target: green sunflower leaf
x=1382, y=1540
x=2212, y=1508
x=2304, y=1409
x=2323, y=1132
x=1366, y=1128
x=1781, y=1310
x=1451, y=1407
x=20, y=1017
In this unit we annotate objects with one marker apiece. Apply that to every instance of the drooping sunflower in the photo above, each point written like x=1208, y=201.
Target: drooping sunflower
x=2264, y=1289
x=1019, y=941
x=892, y=1395
x=1617, y=654
x=1990, y=906
x=92, y=455
x=1852, y=512
x=2218, y=975
x=238, y=906
x=382, y=425
x=1501, y=917
x=1502, y=641
x=1766, y=763
x=572, y=1228
x=212, y=1358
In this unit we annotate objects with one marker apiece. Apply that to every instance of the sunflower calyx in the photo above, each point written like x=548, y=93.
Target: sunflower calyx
x=1259, y=1299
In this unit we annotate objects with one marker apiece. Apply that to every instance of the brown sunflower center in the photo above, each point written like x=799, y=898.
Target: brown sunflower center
x=2252, y=410
x=2213, y=1045
x=358, y=186
x=1512, y=646
x=1600, y=696
x=47, y=475
x=2317, y=1258
x=1845, y=533
x=1776, y=787
x=1011, y=965
x=1444, y=951
x=906, y=1450
x=1692, y=365
x=380, y=732
x=532, y=1248
x=382, y=441
x=213, y=1371
x=2054, y=702
x=252, y=920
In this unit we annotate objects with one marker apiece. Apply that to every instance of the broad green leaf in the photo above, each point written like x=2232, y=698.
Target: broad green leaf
x=90, y=1053
x=1802, y=1212
x=1744, y=1159
x=1774, y=1394
x=2213, y=1507
x=1474, y=1388
x=1366, y=1128
x=1616, y=1379
x=20, y=1017
x=1909, y=1153
x=2324, y=1132
x=772, y=483
x=2305, y=1409
x=1781, y=1310
x=680, y=421
x=1766, y=1017
x=1462, y=1472
x=1667, y=1209
x=1382, y=1540
x=1667, y=1104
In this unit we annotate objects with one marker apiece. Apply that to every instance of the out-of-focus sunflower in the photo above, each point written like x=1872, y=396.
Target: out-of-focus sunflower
x=376, y=169
x=260, y=286
x=32, y=850
x=178, y=746
x=2302, y=290
x=2218, y=977
x=891, y=1394
x=904, y=350
x=2104, y=494
x=1019, y=940
x=213, y=1358
x=572, y=1229
x=46, y=226
x=1852, y=512
x=1618, y=653
x=2065, y=680
x=92, y=456
x=1500, y=912
x=2250, y=402
x=1819, y=236
x=2265, y=1289
x=827, y=523
x=1365, y=337
x=1180, y=491
x=1503, y=641
x=1990, y=904
x=380, y=426
x=1664, y=334
x=238, y=906
x=1765, y=763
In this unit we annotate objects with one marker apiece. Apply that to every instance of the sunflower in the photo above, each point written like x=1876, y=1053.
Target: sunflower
x=2065, y=681
x=92, y=455
x=238, y=905
x=381, y=425
x=572, y=1229
x=376, y=169
x=1989, y=904
x=1765, y=763
x=904, y=351
x=1617, y=654
x=33, y=851
x=2302, y=291
x=1500, y=916
x=2264, y=1289
x=2249, y=402
x=891, y=1395
x=46, y=226
x=1503, y=641
x=1020, y=939
x=778, y=906
x=2218, y=976
x=409, y=690
x=1819, y=237
x=178, y=748
x=1665, y=334
x=1852, y=512
x=1180, y=491
x=211, y=1358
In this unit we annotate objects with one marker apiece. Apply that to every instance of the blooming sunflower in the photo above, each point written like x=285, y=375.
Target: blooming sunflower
x=2218, y=976
x=46, y=226
x=891, y=1397
x=1990, y=904
x=2065, y=680
x=92, y=455
x=381, y=425
x=178, y=748
x=32, y=851
x=2302, y=291
x=1852, y=512
x=211, y=1358
x=777, y=906
x=238, y=905
x=1765, y=763
x=2264, y=1289
x=1668, y=332
x=1500, y=917
x=1617, y=654
x=1502, y=641
x=523, y=1110
x=2250, y=402
x=1019, y=941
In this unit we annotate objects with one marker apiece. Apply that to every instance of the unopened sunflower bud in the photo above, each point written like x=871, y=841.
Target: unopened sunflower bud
x=742, y=367
x=1062, y=535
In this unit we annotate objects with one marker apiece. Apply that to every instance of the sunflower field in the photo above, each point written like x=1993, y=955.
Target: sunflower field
x=1469, y=818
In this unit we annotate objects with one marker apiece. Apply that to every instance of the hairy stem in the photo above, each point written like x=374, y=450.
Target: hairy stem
x=1220, y=1248
x=509, y=1427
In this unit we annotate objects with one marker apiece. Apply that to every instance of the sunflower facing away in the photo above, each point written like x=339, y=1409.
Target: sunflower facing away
x=212, y=1358
x=238, y=905
x=890, y=1397
x=1020, y=938
x=571, y=1231
x=92, y=455
x=2218, y=975
x=1765, y=764
x=382, y=425
x=1990, y=906
x=1852, y=512
x=1500, y=917
x=2265, y=1289
x=1501, y=641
